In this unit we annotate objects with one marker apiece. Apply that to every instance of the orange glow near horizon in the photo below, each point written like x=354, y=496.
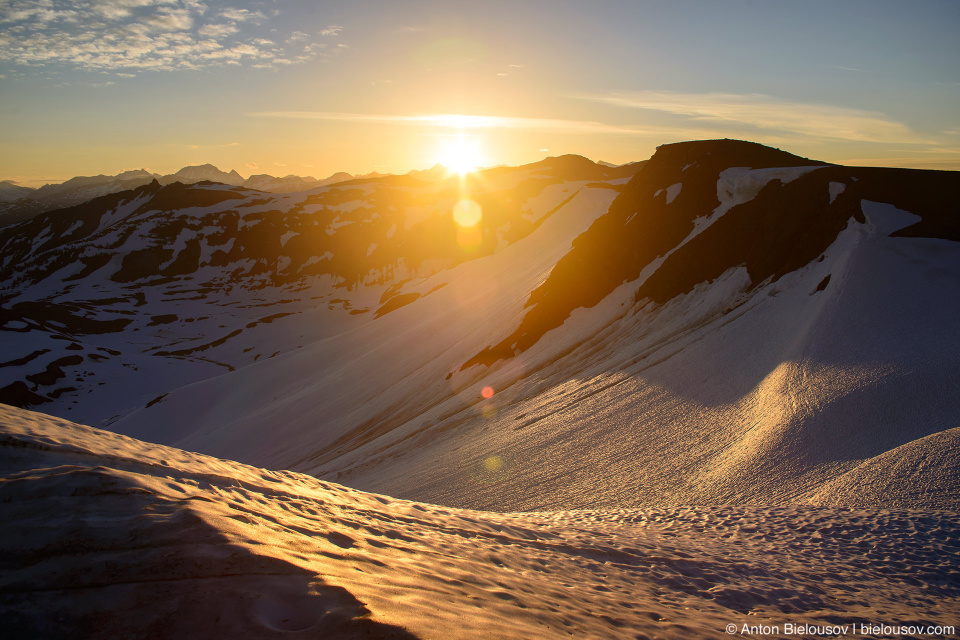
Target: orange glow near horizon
x=461, y=153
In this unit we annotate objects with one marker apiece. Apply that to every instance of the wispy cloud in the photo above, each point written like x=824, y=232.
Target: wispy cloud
x=242, y=15
x=119, y=9
x=128, y=36
x=769, y=114
x=217, y=31
x=332, y=30
x=511, y=69
x=941, y=158
x=462, y=122
x=213, y=146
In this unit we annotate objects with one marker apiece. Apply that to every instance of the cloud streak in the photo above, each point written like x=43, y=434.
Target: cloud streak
x=467, y=122
x=129, y=36
x=766, y=113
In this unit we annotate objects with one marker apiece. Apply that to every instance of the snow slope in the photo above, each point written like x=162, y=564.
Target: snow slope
x=387, y=364
x=719, y=396
x=772, y=331
x=107, y=536
x=769, y=339
x=106, y=307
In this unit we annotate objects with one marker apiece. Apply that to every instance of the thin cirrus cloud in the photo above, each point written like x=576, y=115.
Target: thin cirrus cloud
x=770, y=114
x=459, y=121
x=213, y=146
x=129, y=36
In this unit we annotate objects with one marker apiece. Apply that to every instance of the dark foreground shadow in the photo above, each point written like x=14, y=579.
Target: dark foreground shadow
x=86, y=553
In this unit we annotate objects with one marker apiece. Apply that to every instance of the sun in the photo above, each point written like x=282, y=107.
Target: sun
x=461, y=153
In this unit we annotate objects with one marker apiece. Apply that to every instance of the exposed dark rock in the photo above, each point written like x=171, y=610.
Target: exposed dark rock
x=639, y=227
x=783, y=228
x=164, y=318
x=177, y=196
x=51, y=315
x=54, y=372
x=156, y=400
x=142, y=263
x=25, y=359
x=268, y=319
x=396, y=302
x=921, y=193
x=202, y=347
x=823, y=284
x=18, y=394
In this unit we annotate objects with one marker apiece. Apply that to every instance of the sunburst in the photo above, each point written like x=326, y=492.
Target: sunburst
x=461, y=153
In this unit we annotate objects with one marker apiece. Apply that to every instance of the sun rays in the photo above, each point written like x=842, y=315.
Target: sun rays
x=461, y=153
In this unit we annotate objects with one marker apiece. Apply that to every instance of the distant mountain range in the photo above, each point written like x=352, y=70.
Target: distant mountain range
x=18, y=203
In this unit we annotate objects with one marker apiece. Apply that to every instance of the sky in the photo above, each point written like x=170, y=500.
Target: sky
x=284, y=87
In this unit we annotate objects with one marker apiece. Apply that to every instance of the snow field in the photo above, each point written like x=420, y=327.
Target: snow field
x=183, y=544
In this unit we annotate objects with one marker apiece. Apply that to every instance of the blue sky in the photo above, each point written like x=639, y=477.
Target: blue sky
x=99, y=86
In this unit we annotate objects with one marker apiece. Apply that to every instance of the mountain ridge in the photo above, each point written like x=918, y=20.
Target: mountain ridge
x=687, y=333
x=18, y=203
x=21, y=203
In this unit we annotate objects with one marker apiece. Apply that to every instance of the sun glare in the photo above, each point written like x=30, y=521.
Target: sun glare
x=467, y=213
x=461, y=153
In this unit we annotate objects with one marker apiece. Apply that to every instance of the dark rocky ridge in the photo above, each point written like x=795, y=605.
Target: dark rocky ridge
x=178, y=256
x=253, y=248
x=784, y=228
x=203, y=241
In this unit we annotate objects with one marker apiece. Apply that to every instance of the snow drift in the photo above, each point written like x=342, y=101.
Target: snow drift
x=107, y=536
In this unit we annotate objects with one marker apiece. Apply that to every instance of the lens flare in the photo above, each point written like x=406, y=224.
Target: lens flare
x=487, y=392
x=467, y=213
x=469, y=238
x=493, y=464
